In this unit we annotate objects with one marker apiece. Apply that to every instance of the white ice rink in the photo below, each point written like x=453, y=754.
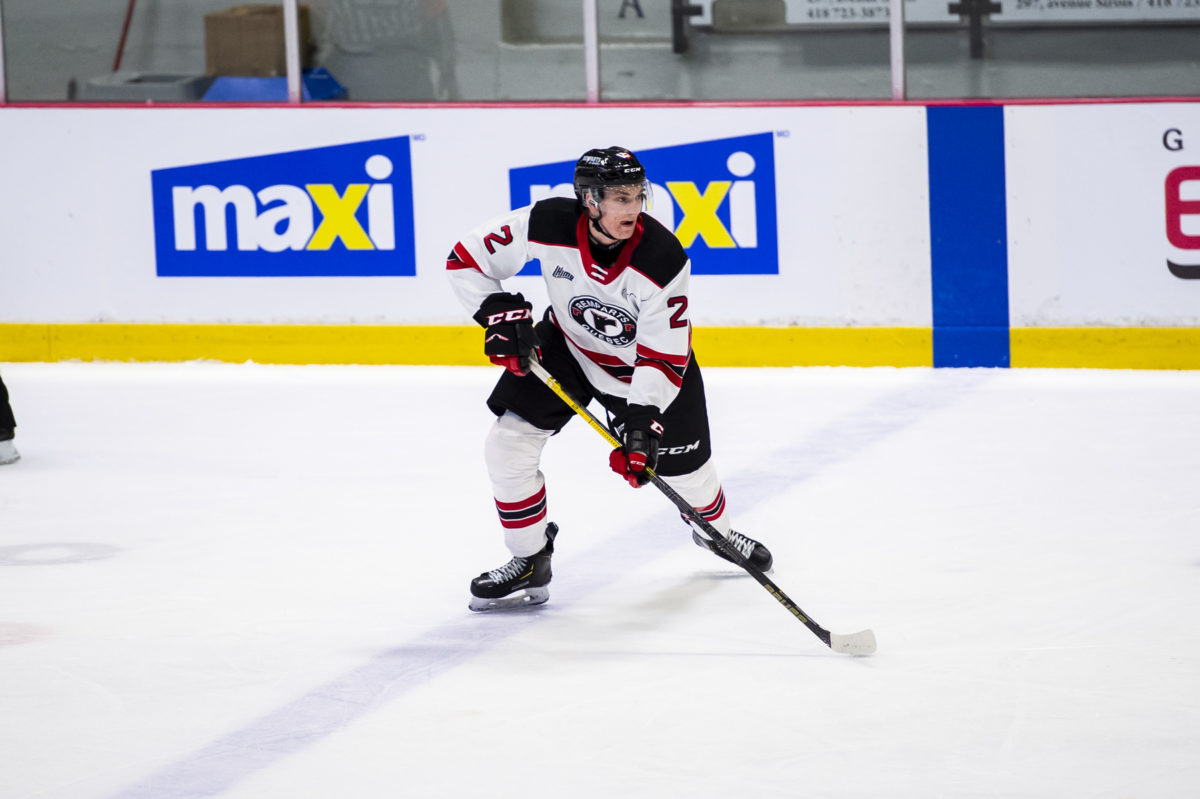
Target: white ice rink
x=250, y=582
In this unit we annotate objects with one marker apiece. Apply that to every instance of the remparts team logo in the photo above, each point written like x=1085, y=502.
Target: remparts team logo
x=717, y=196
x=608, y=323
x=341, y=211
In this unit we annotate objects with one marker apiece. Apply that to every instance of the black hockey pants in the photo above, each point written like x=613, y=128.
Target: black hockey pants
x=685, y=445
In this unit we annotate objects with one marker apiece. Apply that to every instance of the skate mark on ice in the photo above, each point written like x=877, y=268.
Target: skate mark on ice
x=325, y=710
x=55, y=554
x=851, y=434
x=337, y=704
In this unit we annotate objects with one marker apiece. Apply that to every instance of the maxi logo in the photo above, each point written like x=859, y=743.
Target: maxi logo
x=717, y=196
x=340, y=211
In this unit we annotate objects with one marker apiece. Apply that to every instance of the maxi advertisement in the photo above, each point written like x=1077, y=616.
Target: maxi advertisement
x=718, y=196
x=344, y=210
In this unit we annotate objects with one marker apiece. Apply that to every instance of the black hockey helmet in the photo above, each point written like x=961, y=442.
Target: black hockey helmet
x=612, y=166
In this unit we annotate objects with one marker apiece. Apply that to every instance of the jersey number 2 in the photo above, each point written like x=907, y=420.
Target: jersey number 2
x=502, y=238
x=677, y=319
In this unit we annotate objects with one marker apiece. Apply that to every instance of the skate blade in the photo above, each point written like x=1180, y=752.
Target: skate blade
x=526, y=598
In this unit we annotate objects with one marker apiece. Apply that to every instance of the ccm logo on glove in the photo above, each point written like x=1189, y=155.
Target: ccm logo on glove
x=510, y=316
x=509, y=340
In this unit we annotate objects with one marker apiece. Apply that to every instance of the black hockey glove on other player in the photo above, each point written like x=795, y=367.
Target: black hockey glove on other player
x=509, y=340
x=640, y=430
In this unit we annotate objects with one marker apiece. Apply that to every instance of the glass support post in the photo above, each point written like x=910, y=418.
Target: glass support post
x=896, y=32
x=591, y=50
x=3, y=85
x=291, y=44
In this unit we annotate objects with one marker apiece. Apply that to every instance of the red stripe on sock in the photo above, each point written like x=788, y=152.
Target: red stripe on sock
x=516, y=524
x=715, y=509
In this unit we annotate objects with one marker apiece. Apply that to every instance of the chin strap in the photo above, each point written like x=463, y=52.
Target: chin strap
x=600, y=228
x=596, y=221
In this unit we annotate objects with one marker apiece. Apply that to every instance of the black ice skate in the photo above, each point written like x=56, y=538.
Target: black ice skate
x=750, y=549
x=519, y=583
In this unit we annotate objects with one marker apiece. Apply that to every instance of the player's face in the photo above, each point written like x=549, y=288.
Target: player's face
x=619, y=210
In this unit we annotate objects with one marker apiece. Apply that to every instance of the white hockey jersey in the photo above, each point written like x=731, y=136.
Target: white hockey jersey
x=627, y=325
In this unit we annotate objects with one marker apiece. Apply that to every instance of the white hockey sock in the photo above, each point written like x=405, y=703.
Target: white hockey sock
x=513, y=452
x=702, y=490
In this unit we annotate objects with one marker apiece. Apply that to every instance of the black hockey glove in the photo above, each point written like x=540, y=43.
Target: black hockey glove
x=639, y=428
x=509, y=340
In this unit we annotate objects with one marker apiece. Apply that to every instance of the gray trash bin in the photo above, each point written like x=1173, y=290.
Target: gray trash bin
x=135, y=87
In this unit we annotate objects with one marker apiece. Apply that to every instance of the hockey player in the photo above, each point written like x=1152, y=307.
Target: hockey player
x=617, y=331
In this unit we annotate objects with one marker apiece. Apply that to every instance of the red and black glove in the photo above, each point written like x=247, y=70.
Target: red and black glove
x=510, y=340
x=639, y=427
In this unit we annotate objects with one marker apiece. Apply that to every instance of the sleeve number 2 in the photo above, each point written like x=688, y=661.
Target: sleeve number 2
x=503, y=238
x=677, y=319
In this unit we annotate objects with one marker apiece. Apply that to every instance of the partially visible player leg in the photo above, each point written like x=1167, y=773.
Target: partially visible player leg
x=685, y=463
x=702, y=489
x=513, y=453
x=528, y=414
x=8, y=424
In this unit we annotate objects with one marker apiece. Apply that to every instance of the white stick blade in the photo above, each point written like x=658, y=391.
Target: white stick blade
x=860, y=643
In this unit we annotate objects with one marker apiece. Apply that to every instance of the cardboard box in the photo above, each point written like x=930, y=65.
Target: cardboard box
x=248, y=40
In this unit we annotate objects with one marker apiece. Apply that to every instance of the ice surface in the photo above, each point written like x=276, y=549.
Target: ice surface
x=250, y=582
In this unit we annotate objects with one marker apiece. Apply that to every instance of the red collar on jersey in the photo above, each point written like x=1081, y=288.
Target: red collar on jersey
x=600, y=274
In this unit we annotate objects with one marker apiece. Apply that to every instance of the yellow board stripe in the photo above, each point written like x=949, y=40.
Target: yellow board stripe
x=449, y=345
x=1111, y=348
x=1106, y=347
x=814, y=346
x=291, y=344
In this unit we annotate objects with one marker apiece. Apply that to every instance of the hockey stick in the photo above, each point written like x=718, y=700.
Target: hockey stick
x=859, y=643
